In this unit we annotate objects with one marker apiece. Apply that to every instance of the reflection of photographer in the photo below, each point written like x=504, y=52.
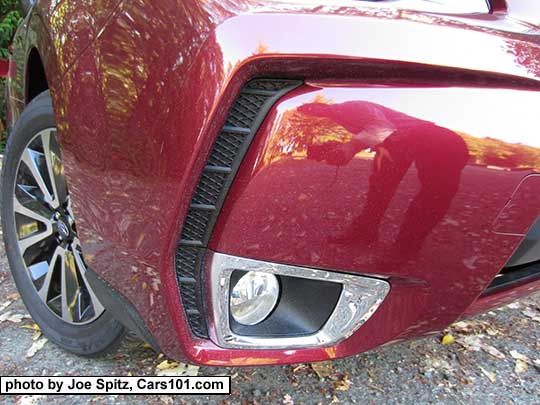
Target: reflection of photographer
x=340, y=153
x=398, y=140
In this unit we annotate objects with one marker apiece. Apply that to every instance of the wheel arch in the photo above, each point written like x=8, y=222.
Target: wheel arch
x=35, y=76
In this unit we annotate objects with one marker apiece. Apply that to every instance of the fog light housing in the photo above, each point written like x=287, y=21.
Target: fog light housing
x=254, y=297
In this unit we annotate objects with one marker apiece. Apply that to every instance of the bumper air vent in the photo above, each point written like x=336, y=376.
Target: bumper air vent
x=243, y=120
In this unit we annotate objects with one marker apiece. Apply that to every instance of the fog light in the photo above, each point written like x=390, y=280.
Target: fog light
x=254, y=297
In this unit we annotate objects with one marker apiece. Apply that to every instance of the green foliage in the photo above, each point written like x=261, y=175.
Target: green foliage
x=9, y=21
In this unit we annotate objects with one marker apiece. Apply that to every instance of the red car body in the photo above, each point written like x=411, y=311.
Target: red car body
x=142, y=89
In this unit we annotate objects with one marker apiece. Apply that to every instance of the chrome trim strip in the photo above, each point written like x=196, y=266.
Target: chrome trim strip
x=360, y=298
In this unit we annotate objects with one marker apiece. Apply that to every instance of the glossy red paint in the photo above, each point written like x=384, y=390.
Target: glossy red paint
x=142, y=89
x=311, y=192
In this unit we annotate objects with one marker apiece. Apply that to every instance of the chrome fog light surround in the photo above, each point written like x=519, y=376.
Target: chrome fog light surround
x=360, y=297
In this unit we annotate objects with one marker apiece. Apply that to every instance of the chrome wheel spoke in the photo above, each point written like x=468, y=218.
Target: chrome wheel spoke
x=31, y=159
x=70, y=288
x=54, y=169
x=45, y=287
x=98, y=308
x=47, y=235
x=30, y=241
x=39, y=213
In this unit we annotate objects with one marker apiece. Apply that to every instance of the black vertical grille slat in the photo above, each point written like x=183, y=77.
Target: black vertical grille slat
x=243, y=120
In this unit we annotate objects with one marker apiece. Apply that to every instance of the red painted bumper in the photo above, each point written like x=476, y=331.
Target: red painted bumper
x=166, y=96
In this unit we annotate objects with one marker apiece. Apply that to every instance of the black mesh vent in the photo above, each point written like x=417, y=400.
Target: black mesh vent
x=245, y=110
x=189, y=297
x=246, y=114
x=267, y=84
x=225, y=149
x=185, y=262
x=209, y=188
x=195, y=225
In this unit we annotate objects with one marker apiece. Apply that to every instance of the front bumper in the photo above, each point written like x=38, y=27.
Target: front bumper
x=350, y=53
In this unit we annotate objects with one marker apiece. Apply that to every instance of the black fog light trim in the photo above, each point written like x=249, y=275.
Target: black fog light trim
x=246, y=115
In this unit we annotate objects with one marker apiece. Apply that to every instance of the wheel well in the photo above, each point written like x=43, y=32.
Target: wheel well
x=36, y=80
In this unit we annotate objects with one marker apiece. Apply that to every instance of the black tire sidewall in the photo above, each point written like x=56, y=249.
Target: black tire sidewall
x=89, y=339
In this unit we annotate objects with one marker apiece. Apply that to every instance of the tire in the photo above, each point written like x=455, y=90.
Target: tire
x=50, y=273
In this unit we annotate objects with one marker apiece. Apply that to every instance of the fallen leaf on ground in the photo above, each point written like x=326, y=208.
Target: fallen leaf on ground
x=181, y=369
x=521, y=366
x=5, y=304
x=342, y=385
x=518, y=356
x=493, y=351
x=287, y=400
x=13, y=297
x=36, y=346
x=323, y=368
x=31, y=399
x=166, y=364
x=490, y=375
x=299, y=368
x=166, y=399
x=471, y=343
x=448, y=339
x=15, y=318
x=32, y=326
x=374, y=387
x=534, y=315
x=492, y=331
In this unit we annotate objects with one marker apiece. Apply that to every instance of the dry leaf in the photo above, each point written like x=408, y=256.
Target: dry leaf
x=299, y=368
x=287, y=400
x=448, y=339
x=5, y=304
x=471, y=342
x=490, y=375
x=13, y=297
x=462, y=326
x=36, y=335
x=32, y=399
x=180, y=369
x=521, y=366
x=534, y=315
x=166, y=364
x=323, y=368
x=492, y=331
x=493, y=351
x=342, y=385
x=36, y=346
x=374, y=387
x=15, y=318
x=518, y=356
x=32, y=326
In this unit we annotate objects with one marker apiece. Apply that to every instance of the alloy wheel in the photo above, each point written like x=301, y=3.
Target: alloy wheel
x=47, y=234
